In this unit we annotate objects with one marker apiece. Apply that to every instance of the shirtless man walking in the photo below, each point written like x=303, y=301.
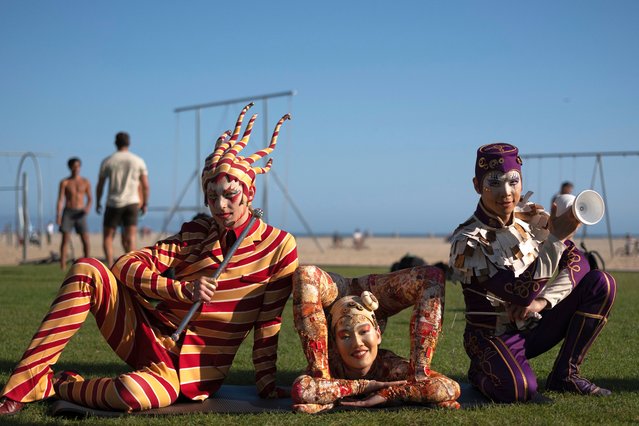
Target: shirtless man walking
x=72, y=210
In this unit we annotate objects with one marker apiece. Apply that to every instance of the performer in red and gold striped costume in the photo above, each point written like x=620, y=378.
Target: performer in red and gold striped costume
x=249, y=295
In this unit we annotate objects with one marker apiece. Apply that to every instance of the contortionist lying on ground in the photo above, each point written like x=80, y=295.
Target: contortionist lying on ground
x=249, y=295
x=526, y=287
x=349, y=362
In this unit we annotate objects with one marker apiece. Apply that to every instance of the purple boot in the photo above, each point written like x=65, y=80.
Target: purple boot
x=564, y=377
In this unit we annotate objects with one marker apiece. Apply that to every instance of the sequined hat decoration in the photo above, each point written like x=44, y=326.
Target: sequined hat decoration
x=354, y=309
x=502, y=157
x=225, y=158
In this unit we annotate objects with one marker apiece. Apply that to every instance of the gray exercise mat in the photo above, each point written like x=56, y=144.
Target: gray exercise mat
x=231, y=399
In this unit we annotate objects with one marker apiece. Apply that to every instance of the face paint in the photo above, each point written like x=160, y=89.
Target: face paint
x=227, y=202
x=356, y=333
x=501, y=192
x=357, y=341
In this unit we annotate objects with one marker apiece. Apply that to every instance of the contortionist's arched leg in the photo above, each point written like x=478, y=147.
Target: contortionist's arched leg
x=314, y=290
x=421, y=287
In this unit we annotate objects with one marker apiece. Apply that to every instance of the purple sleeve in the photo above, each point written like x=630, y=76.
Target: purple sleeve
x=575, y=262
x=524, y=289
x=521, y=290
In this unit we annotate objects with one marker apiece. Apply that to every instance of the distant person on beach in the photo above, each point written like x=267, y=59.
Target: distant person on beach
x=127, y=195
x=8, y=233
x=526, y=287
x=137, y=309
x=337, y=240
x=358, y=239
x=74, y=204
x=315, y=293
x=631, y=245
x=50, y=230
x=566, y=188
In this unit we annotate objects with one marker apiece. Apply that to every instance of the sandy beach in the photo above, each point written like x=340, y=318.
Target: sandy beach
x=377, y=251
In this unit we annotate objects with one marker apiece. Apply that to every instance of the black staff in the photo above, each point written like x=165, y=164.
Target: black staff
x=257, y=214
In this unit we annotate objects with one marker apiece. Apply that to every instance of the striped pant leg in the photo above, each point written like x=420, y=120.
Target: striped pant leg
x=423, y=288
x=154, y=386
x=31, y=379
x=124, y=325
x=89, y=286
x=499, y=367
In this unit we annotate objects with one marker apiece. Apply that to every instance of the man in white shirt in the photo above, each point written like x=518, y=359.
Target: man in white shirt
x=127, y=195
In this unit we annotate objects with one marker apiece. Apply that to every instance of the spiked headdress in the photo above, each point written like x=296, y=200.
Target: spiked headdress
x=225, y=158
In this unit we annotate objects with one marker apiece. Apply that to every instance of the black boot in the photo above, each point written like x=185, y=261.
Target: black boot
x=564, y=377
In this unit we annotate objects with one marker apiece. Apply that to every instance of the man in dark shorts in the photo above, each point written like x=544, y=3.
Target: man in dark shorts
x=75, y=196
x=127, y=196
x=125, y=216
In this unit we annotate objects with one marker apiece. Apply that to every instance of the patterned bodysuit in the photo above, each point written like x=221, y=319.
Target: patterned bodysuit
x=250, y=295
x=421, y=288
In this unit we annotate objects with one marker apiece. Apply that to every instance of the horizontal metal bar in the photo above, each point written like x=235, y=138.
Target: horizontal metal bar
x=236, y=100
x=178, y=209
x=20, y=154
x=582, y=154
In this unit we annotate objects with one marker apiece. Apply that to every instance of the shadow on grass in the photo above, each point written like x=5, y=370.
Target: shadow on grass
x=112, y=369
x=617, y=385
x=285, y=377
x=247, y=377
x=85, y=368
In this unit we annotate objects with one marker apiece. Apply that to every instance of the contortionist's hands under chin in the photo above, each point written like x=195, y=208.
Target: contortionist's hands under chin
x=373, y=400
x=203, y=289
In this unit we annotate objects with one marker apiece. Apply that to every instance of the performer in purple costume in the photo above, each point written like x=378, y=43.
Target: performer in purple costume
x=526, y=287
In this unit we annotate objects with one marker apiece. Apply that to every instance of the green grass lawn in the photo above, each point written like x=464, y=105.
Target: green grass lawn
x=26, y=292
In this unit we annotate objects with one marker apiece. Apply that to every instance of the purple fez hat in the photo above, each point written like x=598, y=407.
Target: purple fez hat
x=502, y=157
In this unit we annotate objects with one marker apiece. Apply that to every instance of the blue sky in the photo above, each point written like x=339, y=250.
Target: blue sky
x=393, y=98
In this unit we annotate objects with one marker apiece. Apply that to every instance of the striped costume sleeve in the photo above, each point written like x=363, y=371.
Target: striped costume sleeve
x=141, y=270
x=267, y=326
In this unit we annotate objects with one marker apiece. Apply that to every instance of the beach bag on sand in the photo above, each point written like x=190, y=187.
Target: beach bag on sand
x=594, y=258
x=408, y=261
